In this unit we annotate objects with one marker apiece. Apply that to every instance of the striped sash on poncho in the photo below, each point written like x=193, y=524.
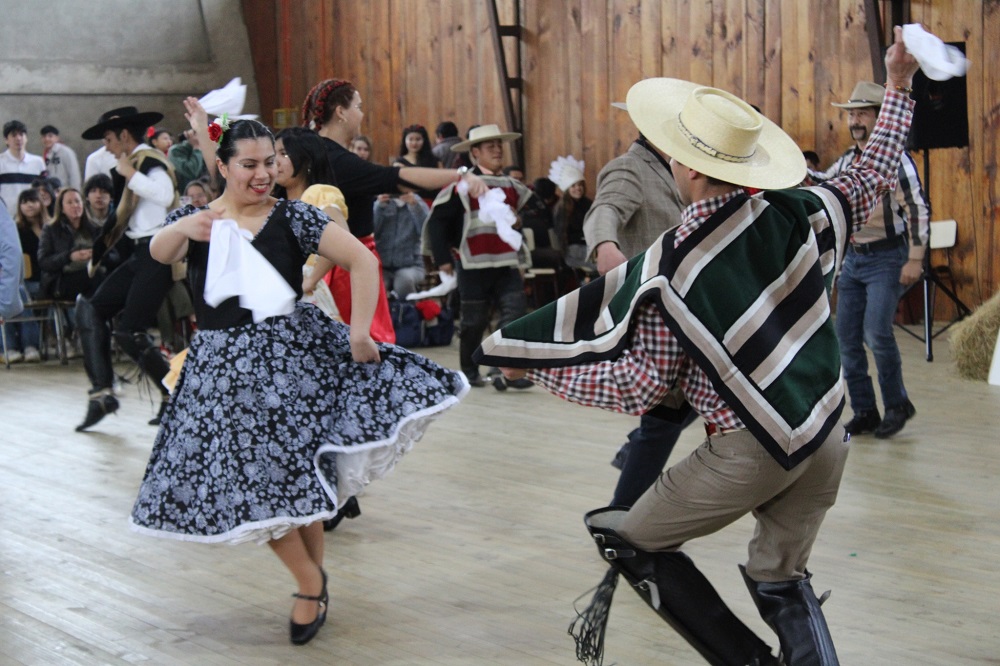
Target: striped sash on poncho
x=746, y=295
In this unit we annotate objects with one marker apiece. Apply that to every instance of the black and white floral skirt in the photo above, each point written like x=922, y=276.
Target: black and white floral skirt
x=273, y=425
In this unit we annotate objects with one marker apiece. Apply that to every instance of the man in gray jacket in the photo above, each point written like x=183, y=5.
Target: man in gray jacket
x=636, y=201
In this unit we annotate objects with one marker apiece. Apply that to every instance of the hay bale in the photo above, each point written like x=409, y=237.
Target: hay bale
x=973, y=339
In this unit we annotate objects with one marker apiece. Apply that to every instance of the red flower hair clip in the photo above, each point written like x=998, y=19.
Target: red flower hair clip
x=218, y=127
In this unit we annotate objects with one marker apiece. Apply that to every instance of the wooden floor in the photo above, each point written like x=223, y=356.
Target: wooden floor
x=473, y=550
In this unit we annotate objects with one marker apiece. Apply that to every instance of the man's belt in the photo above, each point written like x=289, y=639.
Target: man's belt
x=884, y=244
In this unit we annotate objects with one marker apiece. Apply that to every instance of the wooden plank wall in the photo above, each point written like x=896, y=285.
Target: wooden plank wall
x=421, y=61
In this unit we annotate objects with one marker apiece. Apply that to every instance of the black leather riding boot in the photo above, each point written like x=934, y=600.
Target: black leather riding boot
x=140, y=348
x=793, y=611
x=95, y=339
x=680, y=594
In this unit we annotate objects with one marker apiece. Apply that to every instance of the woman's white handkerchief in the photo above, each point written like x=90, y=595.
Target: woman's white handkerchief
x=236, y=268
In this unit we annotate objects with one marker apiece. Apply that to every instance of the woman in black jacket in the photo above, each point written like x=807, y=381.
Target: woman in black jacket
x=65, y=249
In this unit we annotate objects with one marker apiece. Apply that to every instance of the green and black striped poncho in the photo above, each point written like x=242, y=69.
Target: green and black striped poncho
x=746, y=295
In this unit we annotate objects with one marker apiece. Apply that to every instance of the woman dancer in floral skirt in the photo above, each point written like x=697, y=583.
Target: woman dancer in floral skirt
x=275, y=420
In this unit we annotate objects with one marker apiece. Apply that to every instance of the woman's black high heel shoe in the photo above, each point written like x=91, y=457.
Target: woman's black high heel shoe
x=303, y=633
x=351, y=509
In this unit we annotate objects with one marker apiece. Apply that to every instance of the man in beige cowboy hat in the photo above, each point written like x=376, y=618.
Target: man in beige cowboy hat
x=732, y=307
x=882, y=259
x=486, y=265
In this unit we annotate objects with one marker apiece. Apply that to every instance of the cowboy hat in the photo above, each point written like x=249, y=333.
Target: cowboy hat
x=484, y=133
x=715, y=133
x=865, y=93
x=115, y=119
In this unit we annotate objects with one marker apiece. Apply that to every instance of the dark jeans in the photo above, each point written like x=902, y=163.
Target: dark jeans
x=868, y=291
x=645, y=455
x=480, y=289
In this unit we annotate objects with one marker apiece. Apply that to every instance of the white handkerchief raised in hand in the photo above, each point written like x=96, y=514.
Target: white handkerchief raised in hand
x=938, y=60
x=493, y=208
x=236, y=268
x=229, y=100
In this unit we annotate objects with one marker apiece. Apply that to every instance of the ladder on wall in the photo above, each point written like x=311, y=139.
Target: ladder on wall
x=513, y=112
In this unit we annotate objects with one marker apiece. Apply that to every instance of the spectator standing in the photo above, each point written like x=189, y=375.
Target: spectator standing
x=415, y=151
x=60, y=159
x=99, y=161
x=18, y=167
x=399, y=223
x=446, y=136
x=361, y=146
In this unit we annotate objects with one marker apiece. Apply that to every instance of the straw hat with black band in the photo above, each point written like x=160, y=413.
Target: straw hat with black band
x=715, y=133
x=865, y=94
x=117, y=119
x=484, y=133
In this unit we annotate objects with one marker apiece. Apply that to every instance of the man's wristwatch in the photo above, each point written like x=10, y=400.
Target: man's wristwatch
x=462, y=170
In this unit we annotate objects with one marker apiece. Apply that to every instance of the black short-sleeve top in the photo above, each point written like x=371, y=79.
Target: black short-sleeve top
x=290, y=233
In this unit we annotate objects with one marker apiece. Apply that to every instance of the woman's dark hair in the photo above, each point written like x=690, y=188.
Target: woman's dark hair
x=240, y=129
x=29, y=194
x=425, y=158
x=305, y=150
x=323, y=100
x=99, y=181
x=156, y=132
x=545, y=189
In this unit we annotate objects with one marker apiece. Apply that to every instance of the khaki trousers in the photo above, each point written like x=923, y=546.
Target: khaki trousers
x=730, y=475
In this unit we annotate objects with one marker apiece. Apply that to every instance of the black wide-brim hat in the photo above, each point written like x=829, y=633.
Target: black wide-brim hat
x=126, y=116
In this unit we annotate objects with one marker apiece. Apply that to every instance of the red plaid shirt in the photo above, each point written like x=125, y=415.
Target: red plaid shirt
x=655, y=363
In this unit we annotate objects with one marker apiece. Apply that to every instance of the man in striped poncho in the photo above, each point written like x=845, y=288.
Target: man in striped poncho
x=731, y=307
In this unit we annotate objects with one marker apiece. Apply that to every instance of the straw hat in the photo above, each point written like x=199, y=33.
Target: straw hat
x=126, y=116
x=566, y=172
x=484, y=133
x=715, y=133
x=865, y=93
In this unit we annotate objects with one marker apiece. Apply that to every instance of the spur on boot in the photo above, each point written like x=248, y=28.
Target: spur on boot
x=301, y=634
x=98, y=407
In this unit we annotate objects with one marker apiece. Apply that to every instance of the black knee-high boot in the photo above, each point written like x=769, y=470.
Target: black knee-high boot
x=140, y=348
x=793, y=611
x=674, y=587
x=95, y=338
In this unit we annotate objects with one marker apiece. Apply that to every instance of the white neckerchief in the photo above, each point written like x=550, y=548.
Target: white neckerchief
x=236, y=268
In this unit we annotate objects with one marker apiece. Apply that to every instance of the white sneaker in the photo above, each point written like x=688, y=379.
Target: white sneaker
x=14, y=356
x=31, y=355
